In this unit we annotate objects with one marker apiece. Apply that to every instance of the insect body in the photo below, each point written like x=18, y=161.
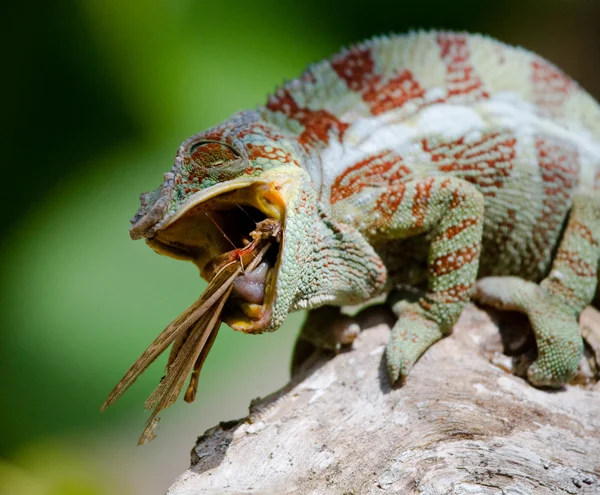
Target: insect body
x=431, y=160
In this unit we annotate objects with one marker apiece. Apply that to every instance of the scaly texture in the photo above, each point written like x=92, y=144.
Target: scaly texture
x=430, y=160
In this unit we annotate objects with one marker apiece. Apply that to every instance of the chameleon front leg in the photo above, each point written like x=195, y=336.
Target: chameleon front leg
x=554, y=306
x=451, y=212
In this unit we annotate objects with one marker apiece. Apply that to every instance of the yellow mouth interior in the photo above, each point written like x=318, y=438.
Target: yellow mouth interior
x=219, y=231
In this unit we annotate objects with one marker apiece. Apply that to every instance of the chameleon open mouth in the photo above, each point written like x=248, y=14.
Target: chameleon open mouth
x=228, y=228
x=233, y=234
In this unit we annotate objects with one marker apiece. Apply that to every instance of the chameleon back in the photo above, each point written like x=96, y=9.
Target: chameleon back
x=394, y=109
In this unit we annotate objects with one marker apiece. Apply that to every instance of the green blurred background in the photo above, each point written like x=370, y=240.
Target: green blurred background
x=98, y=95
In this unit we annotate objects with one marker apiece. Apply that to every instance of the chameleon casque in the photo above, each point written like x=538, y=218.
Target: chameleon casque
x=430, y=160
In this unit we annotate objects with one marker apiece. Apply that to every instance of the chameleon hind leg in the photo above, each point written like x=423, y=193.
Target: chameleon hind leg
x=553, y=307
x=450, y=212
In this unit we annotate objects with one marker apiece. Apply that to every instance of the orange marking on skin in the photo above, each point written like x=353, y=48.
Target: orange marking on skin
x=559, y=168
x=421, y=201
x=215, y=134
x=559, y=162
x=454, y=230
x=448, y=263
x=393, y=93
x=461, y=78
x=551, y=87
x=424, y=303
x=198, y=165
x=275, y=154
x=582, y=231
x=458, y=198
x=379, y=170
x=456, y=293
x=318, y=124
x=485, y=162
x=259, y=130
x=573, y=260
x=389, y=202
x=354, y=67
x=208, y=154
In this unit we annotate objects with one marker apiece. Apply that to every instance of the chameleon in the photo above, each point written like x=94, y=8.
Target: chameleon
x=451, y=163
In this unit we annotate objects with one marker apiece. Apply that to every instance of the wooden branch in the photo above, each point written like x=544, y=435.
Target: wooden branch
x=459, y=425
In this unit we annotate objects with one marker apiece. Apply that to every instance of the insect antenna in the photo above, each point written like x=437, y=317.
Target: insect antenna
x=251, y=218
x=224, y=235
x=246, y=213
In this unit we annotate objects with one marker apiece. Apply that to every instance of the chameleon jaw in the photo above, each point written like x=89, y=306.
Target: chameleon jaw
x=232, y=227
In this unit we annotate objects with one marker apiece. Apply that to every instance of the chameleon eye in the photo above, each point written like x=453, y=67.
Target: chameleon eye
x=210, y=155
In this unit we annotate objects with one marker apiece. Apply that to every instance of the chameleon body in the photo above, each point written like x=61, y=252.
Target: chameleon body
x=432, y=160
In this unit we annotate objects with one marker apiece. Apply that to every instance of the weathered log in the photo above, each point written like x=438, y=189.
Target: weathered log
x=460, y=424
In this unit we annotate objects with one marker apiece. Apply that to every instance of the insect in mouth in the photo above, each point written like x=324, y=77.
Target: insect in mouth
x=237, y=278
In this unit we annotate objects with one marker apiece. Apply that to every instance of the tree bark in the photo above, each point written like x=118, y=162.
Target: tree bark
x=460, y=424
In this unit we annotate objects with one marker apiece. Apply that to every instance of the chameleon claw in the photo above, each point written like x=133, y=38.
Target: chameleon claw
x=410, y=337
x=393, y=365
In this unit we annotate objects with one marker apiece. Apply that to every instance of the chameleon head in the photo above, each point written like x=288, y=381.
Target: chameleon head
x=223, y=183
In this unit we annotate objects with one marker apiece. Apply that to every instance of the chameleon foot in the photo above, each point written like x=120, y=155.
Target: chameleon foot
x=411, y=336
x=325, y=328
x=554, y=324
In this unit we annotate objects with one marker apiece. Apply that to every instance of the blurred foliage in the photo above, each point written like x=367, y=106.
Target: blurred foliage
x=99, y=93
x=48, y=469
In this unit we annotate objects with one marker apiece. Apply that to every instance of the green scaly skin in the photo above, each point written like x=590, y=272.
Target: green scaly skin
x=433, y=160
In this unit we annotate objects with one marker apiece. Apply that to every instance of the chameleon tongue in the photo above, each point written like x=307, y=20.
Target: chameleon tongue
x=251, y=287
